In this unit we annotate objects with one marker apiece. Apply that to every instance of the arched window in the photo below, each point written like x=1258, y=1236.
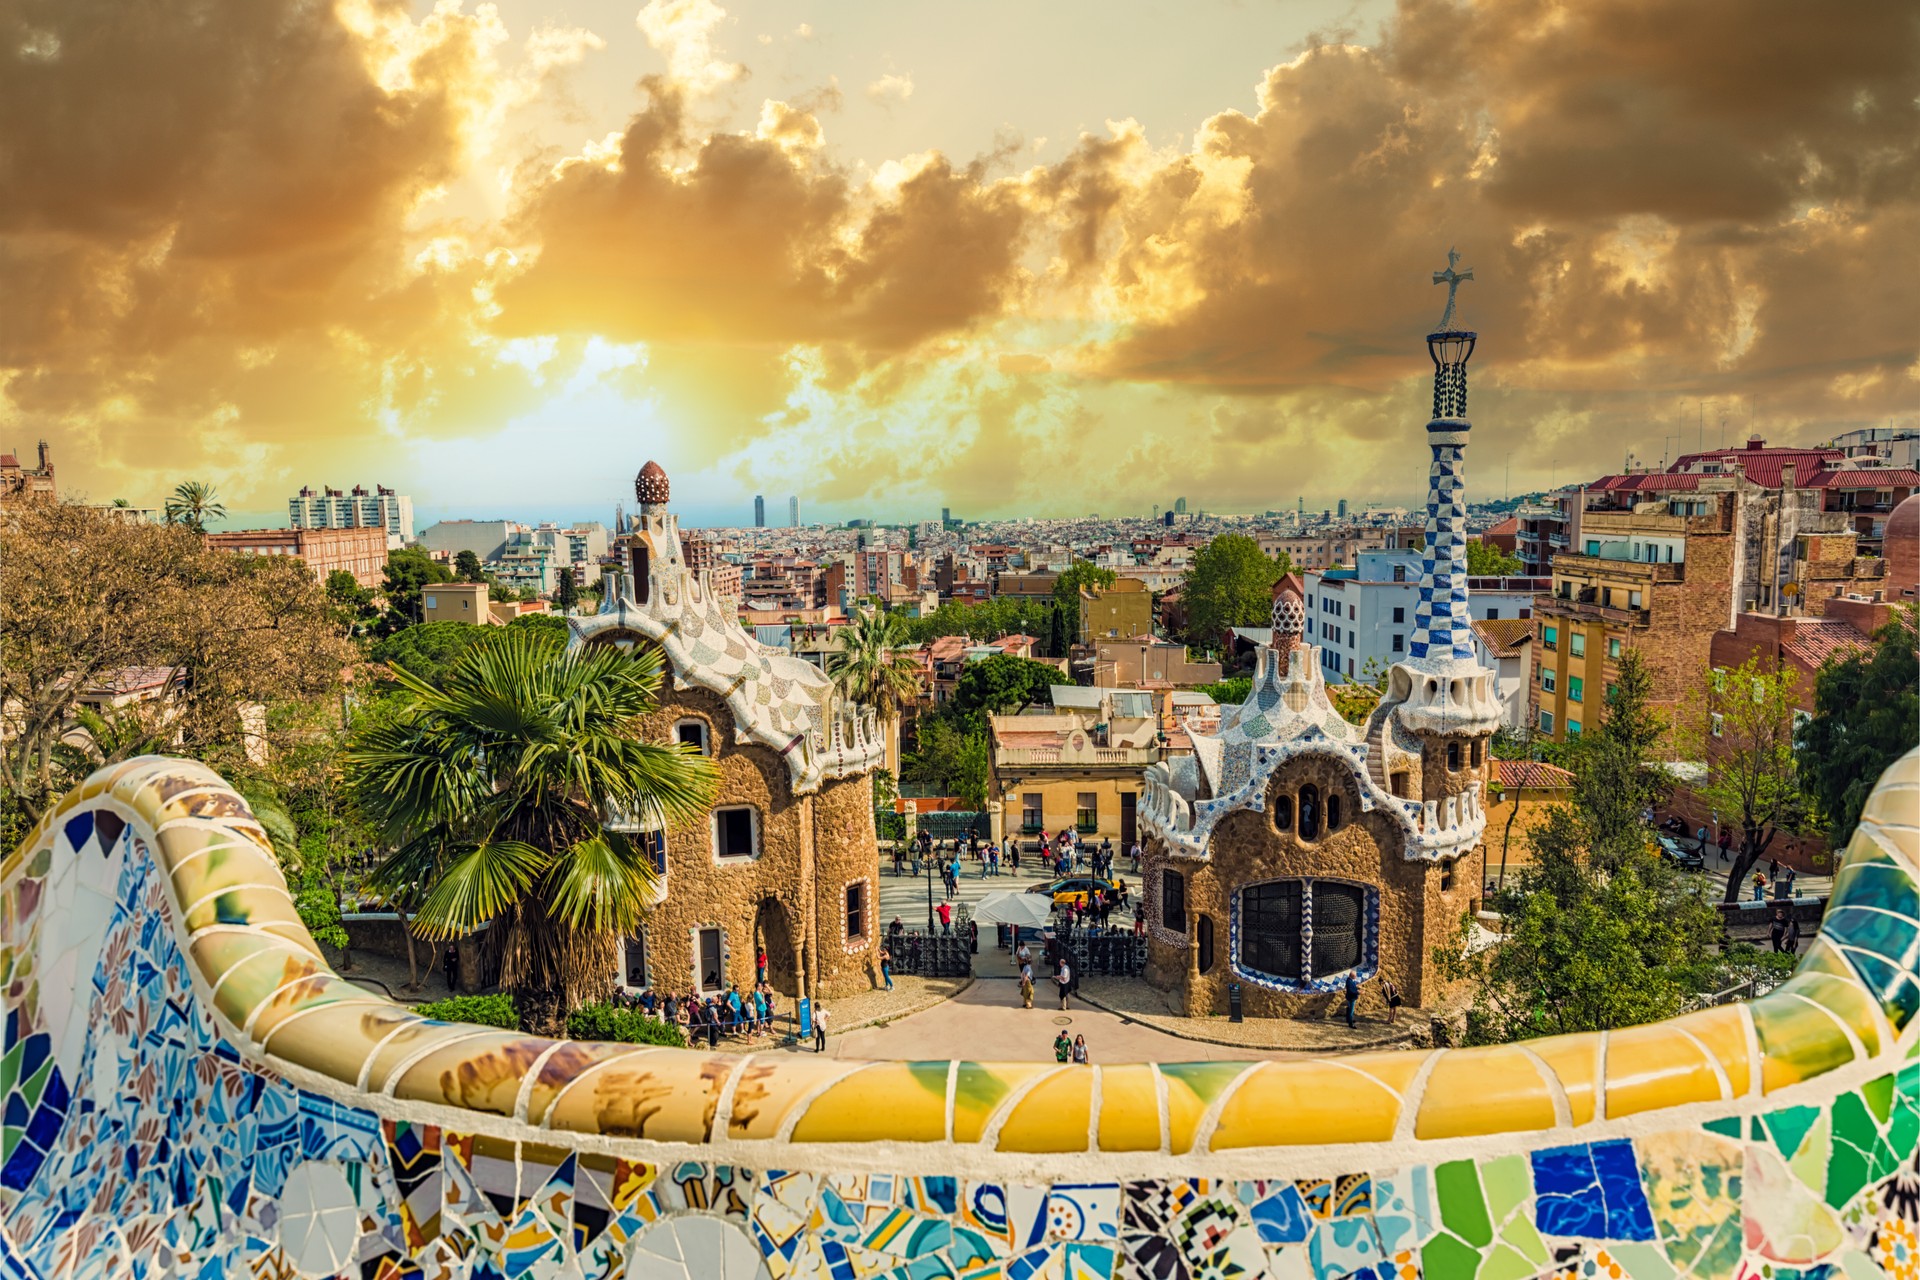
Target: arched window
x=1173, y=901
x=1206, y=944
x=1333, y=811
x=1309, y=811
x=1282, y=812
x=1270, y=933
x=1453, y=755
x=1339, y=914
x=641, y=577
x=1303, y=933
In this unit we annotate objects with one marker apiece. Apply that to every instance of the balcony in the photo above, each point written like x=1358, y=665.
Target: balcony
x=1587, y=611
x=1557, y=539
x=1063, y=757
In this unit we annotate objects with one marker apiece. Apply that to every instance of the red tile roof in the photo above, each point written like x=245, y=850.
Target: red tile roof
x=1864, y=478
x=1815, y=640
x=1534, y=775
x=1510, y=525
x=1762, y=466
x=1647, y=481
x=1505, y=635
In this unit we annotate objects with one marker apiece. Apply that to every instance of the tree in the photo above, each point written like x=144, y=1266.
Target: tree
x=1741, y=723
x=1057, y=632
x=408, y=570
x=1484, y=560
x=1866, y=715
x=1230, y=584
x=566, y=592
x=874, y=665
x=1618, y=781
x=192, y=504
x=494, y=789
x=86, y=598
x=1230, y=692
x=949, y=758
x=1066, y=593
x=428, y=650
x=352, y=603
x=1355, y=699
x=466, y=566
x=1002, y=683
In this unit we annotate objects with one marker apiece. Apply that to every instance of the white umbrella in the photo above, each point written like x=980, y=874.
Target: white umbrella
x=1015, y=908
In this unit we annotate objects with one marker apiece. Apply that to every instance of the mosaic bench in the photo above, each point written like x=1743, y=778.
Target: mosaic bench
x=191, y=1091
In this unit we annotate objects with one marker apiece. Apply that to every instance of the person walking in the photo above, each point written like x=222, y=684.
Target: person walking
x=946, y=918
x=1726, y=842
x=1777, y=930
x=1062, y=1047
x=1392, y=993
x=1701, y=838
x=1135, y=854
x=886, y=965
x=1759, y=887
x=1080, y=1051
x=760, y=965
x=1353, y=997
x=1792, y=944
x=820, y=1030
x=1026, y=988
x=453, y=968
x=1065, y=980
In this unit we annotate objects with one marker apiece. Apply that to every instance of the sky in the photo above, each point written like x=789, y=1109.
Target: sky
x=890, y=256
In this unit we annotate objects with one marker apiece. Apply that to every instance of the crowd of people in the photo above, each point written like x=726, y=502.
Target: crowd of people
x=1061, y=853
x=731, y=1013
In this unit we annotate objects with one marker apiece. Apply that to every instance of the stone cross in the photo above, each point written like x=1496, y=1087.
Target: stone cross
x=1452, y=279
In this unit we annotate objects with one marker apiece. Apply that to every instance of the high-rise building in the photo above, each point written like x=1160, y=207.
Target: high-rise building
x=793, y=512
x=946, y=516
x=1180, y=506
x=759, y=511
x=353, y=509
x=1343, y=508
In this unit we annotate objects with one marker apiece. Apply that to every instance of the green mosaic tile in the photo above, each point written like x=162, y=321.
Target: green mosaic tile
x=1642, y=1261
x=1850, y=1167
x=1446, y=1257
x=1463, y=1208
x=1788, y=1127
x=1505, y=1264
x=1809, y=1164
x=1729, y=1127
x=1879, y=1097
x=1509, y=1184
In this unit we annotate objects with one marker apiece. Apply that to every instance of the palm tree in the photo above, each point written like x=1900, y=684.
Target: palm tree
x=496, y=787
x=873, y=665
x=193, y=504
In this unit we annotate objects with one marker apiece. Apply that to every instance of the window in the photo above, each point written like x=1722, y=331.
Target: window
x=633, y=961
x=1339, y=911
x=1475, y=755
x=857, y=910
x=1399, y=784
x=1205, y=930
x=1548, y=680
x=654, y=845
x=1030, y=812
x=433, y=602
x=1399, y=613
x=1526, y=613
x=1399, y=642
x=1493, y=615
x=1577, y=644
x=1593, y=547
x=1613, y=646
x=1546, y=722
x=1333, y=812
x=1633, y=599
x=1453, y=756
x=736, y=832
x=1719, y=724
x=1550, y=637
x=1309, y=811
x=1351, y=614
x=1573, y=728
x=713, y=968
x=1282, y=812
x=1173, y=901
x=1349, y=666
x=1087, y=814
x=692, y=733
x=1575, y=688
x=1270, y=928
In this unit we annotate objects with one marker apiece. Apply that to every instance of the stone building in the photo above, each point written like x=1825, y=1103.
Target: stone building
x=787, y=859
x=19, y=482
x=1292, y=848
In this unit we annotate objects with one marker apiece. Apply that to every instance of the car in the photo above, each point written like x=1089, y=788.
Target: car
x=1681, y=856
x=1072, y=889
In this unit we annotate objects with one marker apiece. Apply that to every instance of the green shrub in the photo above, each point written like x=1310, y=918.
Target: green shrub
x=487, y=1011
x=628, y=1026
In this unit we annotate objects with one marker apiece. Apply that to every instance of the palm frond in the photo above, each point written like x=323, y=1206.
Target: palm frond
x=604, y=883
x=481, y=883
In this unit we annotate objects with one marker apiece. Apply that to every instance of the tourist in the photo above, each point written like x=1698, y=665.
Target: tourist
x=1062, y=1047
x=946, y=918
x=1080, y=1051
x=1759, y=887
x=760, y=965
x=1065, y=980
x=1139, y=926
x=1392, y=993
x=1726, y=842
x=453, y=968
x=710, y=1013
x=1353, y=996
x=1013, y=855
x=896, y=929
x=1120, y=890
x=1024, y=958
x=1782, y=917
x=1701, y=837
x=820, y=1029
x=886, y=966
x=1026, y=988
x=1792, y=944
x=1792, y=875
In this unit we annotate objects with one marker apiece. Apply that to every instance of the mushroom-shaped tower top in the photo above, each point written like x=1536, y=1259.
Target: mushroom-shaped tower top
x=1289, y=613
x=650, y=486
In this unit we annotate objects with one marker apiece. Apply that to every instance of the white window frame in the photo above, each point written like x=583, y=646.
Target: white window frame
x=713, y=826
x=706, y=732
x=646, y=961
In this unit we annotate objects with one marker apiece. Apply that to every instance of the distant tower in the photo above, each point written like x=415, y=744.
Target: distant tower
x=946, y=516
x=793, y=513
x=1343, y=508
x=619, y=518
x=759, y=511
x=1180, y=506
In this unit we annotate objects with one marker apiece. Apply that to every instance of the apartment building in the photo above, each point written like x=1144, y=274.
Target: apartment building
x=1118, y=612
x=1078, y=764
x=1144, y=663
x=361, y=551
x=1361, y=619
x=487, y=539
x=355, y=508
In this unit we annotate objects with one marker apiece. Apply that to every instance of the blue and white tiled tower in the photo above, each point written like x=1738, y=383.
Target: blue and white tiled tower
x=1442, y=627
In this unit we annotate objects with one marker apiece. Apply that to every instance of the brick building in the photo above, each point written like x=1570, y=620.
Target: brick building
x=19, y=483
x=787, y=859
x=361, y=552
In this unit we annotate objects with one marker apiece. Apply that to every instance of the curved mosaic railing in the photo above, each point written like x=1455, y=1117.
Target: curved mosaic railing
x=189, y=1090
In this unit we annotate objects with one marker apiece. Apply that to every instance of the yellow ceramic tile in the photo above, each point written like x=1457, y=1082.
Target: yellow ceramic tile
x=666, y=1095
x=482, y=1074
x=1575, y=1061
x=1301, y=1103
x=1129, y=1109
x=307, y=992
x=247, y=967
x=1478, y=1091
x=1395, y=1069
x=1843, y=997
x=1054, y=1116
x=293, y=931
x=902, y=1101
x=573, y=1059
x=1656, y=1066
x=1797, y=1041
x=414, y=1035
x=979, y=1089
x=1724, y=1032
x=335, y=1039
x=769, y=1088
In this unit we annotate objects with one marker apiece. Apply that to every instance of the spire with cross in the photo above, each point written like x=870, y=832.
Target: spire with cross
x=1453, y=280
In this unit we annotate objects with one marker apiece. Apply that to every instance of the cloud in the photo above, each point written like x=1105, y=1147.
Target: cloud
x=682, y=31
x=891, y=89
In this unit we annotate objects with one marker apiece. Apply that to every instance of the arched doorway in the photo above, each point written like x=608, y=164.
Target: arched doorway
x=772, y=934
